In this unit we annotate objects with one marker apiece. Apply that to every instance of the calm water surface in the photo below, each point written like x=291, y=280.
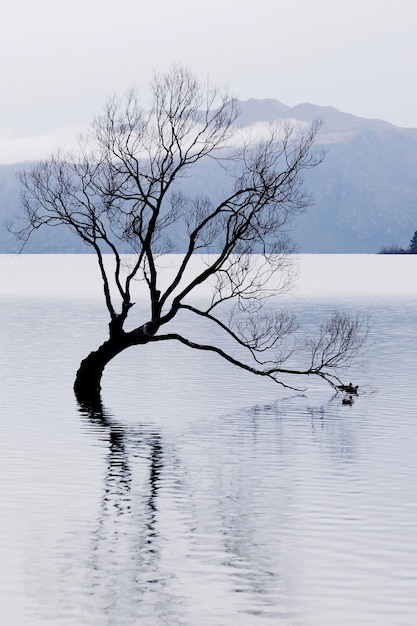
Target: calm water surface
x=201, y=495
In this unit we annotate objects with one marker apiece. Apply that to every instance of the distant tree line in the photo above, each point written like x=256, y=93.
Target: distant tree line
x=393, y=249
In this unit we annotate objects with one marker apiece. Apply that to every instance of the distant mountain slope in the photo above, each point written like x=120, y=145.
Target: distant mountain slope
x=365, y=190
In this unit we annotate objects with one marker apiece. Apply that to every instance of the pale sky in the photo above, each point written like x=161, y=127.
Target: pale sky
x=60, y=61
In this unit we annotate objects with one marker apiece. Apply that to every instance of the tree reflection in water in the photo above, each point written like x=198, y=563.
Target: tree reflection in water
x=124, y=561
x=219, y=509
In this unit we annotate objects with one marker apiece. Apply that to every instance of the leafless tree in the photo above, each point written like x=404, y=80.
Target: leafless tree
x=123, y=194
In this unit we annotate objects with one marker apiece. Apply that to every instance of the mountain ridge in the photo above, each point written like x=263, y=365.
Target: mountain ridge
x=365, y=190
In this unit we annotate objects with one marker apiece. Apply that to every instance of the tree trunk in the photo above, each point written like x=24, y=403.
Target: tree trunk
x=87, y=384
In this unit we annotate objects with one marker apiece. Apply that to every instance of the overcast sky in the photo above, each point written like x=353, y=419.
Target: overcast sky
x=60, y=60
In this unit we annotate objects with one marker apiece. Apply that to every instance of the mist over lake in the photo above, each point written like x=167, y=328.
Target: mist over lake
x=202, y=494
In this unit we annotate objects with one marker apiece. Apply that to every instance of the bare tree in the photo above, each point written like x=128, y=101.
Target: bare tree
x=123, y=195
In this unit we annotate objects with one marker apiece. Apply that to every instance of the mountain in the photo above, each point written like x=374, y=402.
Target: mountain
x=365, y=190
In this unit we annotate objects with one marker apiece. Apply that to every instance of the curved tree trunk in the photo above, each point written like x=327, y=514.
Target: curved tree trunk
x=87, y=385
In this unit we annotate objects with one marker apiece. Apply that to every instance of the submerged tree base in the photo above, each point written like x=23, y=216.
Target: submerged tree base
x=87, y=385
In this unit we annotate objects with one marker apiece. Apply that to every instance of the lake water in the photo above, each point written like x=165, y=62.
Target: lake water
x=202, y=495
